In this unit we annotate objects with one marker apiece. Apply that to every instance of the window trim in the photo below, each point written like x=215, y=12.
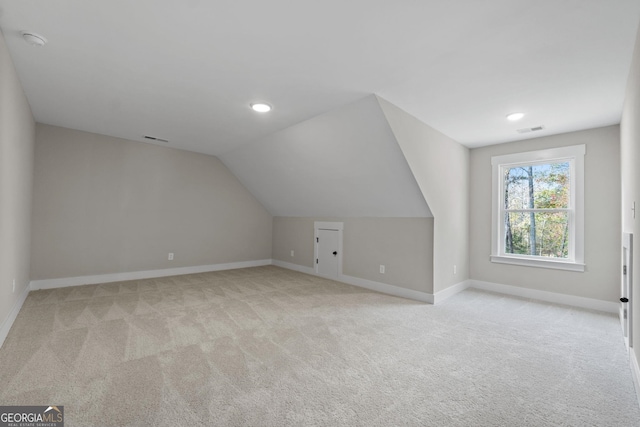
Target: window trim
x=575, y=154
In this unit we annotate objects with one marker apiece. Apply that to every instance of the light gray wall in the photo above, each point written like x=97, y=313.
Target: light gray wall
x=17, y=135
x=403, y=245
x=441, y=168
x=293, y=234
x=601, y=280
x=108, y=205
x=630, y=163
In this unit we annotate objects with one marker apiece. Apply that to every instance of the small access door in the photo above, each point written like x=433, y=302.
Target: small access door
x=626, y=288
x=328, y=250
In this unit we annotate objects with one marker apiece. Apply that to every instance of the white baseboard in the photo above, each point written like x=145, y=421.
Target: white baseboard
x=363, y=283
x=294, y=267
x=387, y=289
x=442, y=295
x=594, y=304
x=635, y=372
x=553, y=297
x=8, y=322
x=137, y=275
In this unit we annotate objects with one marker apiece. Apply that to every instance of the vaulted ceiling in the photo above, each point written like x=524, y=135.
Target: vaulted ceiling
x=186, y=71
x=344, y=163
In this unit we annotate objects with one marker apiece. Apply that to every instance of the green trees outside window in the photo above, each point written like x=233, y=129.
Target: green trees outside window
x=537, y=209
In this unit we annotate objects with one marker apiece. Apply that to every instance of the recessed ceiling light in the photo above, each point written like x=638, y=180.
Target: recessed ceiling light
x=515, y=116
x=261, y=107
x=34, y=39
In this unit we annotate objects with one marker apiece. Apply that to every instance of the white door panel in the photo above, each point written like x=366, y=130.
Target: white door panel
x=626, y=299
x=327, y=261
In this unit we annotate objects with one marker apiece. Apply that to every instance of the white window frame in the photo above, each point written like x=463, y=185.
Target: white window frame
x=575, y=156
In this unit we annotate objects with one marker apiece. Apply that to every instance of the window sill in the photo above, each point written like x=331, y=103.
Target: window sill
x=540, y=263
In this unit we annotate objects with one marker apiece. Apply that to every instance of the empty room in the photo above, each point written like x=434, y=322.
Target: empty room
x=297, y=213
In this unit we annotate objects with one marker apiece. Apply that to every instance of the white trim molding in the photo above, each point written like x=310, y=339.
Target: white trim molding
x=294, y=267
x=574, y=155
x=437, y=298
x=444, y=294
x=362, y=283
x=387, y=289
x=137, y=275
x=544, y=263
x=635, y=372
x=553, y=297
x=323, y=225
x=13, y=314
x=329, y=225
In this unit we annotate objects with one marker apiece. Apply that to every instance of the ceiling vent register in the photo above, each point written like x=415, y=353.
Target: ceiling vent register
x=533, y=129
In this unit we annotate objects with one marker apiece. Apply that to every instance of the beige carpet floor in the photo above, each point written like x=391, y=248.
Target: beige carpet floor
x=271, y=347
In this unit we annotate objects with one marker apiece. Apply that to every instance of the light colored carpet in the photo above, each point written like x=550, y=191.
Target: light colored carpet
x=271, y=347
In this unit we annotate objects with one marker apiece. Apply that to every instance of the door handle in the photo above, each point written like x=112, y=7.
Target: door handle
x=335, y=253
x=624, y=299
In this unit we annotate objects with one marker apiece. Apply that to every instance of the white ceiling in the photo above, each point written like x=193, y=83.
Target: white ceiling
x=344, y=163
x=187, y=70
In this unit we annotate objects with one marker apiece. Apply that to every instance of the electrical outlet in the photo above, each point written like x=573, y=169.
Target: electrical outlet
x=455, y=269
x=292, y=253
x=14, y=285
x=381, y=269
x=170, y=256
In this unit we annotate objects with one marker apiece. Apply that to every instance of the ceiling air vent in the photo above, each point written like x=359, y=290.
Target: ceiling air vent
x=533, y=129
x=153, y=138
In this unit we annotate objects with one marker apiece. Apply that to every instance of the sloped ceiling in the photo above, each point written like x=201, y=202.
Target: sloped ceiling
x=345, y=163
x=187, y=70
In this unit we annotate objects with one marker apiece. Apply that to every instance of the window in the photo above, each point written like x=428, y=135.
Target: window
x=538, y=208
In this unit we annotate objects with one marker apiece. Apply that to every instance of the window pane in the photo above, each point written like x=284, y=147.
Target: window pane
x=541, y=233
x=537, y=186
